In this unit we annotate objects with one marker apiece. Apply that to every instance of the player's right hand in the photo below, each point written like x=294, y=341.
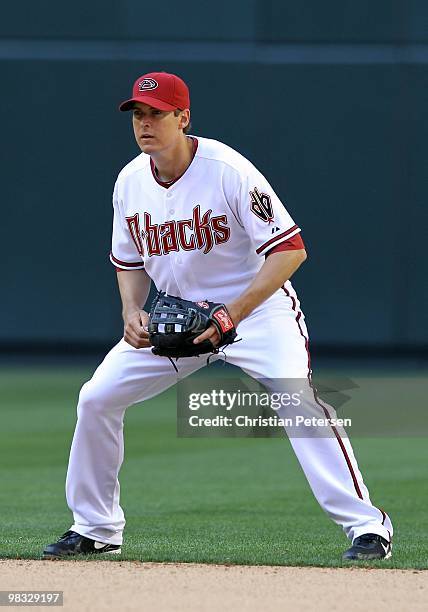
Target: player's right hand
x=135, y=329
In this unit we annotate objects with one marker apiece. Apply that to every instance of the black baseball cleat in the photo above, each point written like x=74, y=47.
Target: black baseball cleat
x=71, y=544
x=367, y=547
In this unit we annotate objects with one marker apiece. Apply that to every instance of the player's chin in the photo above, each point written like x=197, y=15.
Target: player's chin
x=148, y=146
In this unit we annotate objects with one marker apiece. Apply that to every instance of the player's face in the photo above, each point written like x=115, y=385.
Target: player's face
x=156, y=130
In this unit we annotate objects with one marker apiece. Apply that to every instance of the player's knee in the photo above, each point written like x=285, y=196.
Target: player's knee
x=95, y=398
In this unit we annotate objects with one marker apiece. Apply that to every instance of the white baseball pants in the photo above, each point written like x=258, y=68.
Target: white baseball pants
x=274, y=347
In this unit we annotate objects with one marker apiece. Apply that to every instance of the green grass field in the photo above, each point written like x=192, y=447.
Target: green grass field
x=214, y=500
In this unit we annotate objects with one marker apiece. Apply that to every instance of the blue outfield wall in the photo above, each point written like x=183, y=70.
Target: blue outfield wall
x=335, y=121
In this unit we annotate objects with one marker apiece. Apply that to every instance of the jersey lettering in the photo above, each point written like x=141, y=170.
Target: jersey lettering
x=151, y=234
x=168, y=234
x=221, y=229
x=134, y=230
x=261, y=205
x=201, y=232
x=187, y=245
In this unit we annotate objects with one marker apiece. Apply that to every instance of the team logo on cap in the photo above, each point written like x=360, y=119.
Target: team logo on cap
x=146, y=84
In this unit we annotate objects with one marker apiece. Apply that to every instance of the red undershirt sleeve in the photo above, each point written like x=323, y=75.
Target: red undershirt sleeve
x=292, y=244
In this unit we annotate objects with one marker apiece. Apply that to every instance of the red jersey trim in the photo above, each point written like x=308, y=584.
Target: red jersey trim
x=291, y=244
x=167, y=184
x=277, y=239
x=124, y=265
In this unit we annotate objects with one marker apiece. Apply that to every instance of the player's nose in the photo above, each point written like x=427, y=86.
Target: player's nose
x=144, y=120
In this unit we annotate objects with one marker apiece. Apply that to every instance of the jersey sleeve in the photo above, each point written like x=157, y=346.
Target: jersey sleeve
x=126, y=251
x=262, y=214
x=294, y=243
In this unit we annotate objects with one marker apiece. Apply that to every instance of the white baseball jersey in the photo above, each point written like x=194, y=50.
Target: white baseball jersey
x=205, y=237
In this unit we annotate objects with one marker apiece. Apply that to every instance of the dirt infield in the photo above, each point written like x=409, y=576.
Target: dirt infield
x=161, y=587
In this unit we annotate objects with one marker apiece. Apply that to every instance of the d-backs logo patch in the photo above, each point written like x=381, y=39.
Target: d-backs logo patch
x=261, y=205
x=146, y=84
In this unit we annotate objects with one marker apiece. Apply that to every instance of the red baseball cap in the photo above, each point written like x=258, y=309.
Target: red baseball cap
x=161, y=90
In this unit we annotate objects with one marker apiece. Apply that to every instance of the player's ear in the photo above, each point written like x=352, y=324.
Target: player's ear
x=184, y=119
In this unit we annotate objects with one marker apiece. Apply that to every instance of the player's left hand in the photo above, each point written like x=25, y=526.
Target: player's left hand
x=212, y=334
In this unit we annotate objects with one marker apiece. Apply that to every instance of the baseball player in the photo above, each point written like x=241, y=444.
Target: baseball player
x=201, y=222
